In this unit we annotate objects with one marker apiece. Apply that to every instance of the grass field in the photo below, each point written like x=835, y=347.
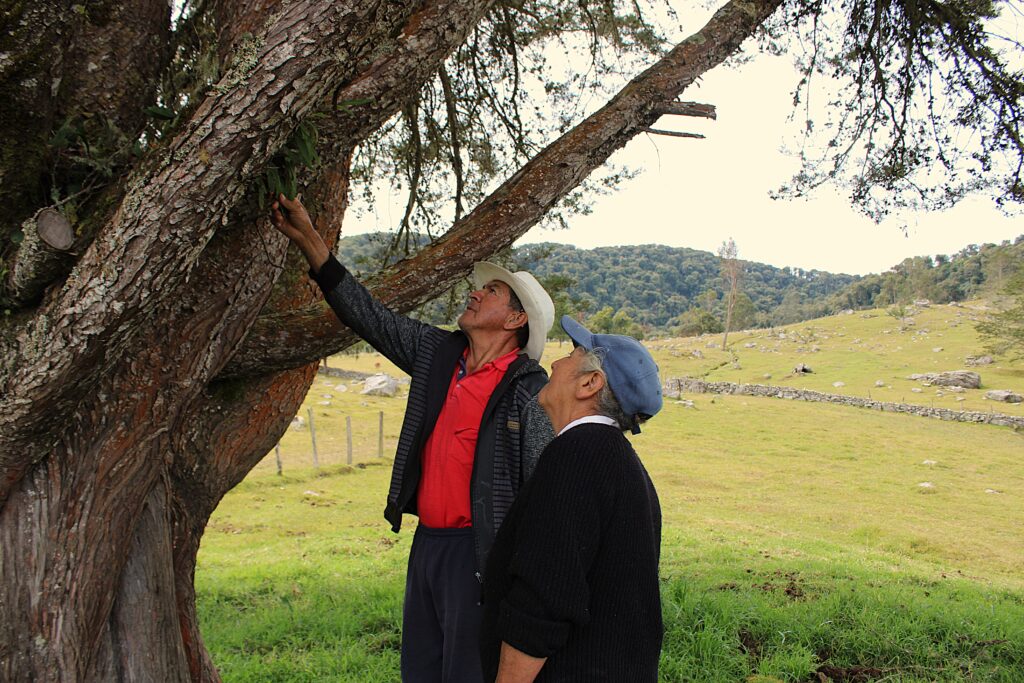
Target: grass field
x=799, y=543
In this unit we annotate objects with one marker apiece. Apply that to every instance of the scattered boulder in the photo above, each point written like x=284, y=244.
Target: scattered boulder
x=298, y=422
x=929, y=462
x=324, y=403
x=879, y=383
x=953, y=378
x=696, y=353
x=341, y=388
x=923, y=303
x=750, y=345
x=767, y=375
x=916, y=390
x=1003, y=395
x=956, y=390
x=380, y=385
x=802, y=369
x=937, y=349
x=972, y=361
x=838, y=384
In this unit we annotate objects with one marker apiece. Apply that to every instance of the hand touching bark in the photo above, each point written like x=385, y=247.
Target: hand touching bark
x=291, y=218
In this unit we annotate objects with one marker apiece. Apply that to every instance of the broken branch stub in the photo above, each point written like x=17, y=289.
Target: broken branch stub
x=41, y=258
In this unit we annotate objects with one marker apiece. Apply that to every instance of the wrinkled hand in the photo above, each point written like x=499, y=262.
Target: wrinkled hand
x=291, y=218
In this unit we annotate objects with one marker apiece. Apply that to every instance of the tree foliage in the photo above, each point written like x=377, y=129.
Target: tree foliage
x=928, y=107
x=1004, y=331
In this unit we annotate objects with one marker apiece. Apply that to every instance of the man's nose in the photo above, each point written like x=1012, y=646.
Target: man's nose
x=476, y=295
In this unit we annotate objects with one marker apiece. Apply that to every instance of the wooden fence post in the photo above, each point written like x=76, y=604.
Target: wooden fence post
x=277, y=456
x=312, y=433
x=348, y=433
x=380, y=436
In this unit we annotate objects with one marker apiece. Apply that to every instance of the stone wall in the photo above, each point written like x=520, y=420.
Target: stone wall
x=676, y=386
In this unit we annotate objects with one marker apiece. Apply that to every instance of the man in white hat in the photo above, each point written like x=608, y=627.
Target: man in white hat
x=472, y=434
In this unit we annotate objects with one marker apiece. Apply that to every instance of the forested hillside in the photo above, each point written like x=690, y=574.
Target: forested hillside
x=655, y=288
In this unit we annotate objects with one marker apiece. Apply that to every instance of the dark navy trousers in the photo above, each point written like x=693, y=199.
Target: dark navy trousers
x=442, y=612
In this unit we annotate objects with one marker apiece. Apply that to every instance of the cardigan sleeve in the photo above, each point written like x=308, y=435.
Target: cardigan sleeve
x=394, y=335
x=556, y=540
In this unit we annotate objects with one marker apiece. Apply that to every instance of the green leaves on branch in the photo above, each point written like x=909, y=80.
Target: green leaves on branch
x=281, y=175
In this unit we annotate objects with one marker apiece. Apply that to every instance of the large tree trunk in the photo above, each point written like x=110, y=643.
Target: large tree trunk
x=124, y=418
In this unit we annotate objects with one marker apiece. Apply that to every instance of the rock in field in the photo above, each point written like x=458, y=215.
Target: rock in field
x=380, y=385
x=1003, y=395
x=953, y=378
x=971, y=361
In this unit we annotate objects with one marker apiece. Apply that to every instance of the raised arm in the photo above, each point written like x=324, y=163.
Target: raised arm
x=394, y=335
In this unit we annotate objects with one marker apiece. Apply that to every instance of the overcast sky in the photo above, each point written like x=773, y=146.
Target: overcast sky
x=698, y=193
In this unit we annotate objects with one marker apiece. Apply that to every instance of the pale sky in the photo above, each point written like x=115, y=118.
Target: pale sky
x=698, y=193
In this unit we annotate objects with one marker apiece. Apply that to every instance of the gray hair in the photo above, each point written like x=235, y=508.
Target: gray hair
x=607, y=404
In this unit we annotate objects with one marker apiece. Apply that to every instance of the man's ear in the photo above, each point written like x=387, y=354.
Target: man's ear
x=589, y=384
x=516, y=319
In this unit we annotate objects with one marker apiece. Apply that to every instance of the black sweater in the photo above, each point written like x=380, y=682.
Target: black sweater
x=573, y=573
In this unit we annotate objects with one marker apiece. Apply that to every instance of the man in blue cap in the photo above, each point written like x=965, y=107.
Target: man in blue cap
x=571, y=587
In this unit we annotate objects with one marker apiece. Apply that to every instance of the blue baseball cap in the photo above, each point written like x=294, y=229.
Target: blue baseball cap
x=631, y=371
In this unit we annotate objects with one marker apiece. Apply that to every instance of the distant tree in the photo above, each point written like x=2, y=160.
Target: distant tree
x=731, y=269
x=709, y=300
x=900, y=312
x=610, y=321
x=790, y=310
x=1004, y=331
x=744, y=314
x=696, y=321
x=559, y=287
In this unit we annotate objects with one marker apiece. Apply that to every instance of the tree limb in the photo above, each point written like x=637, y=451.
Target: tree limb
x=696, y=109
x=673, y=133
x=284, y=341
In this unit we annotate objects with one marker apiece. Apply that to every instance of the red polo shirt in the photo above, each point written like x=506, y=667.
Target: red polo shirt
x=443, y=496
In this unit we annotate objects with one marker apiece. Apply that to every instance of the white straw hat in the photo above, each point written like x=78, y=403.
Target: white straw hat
x=540, y=310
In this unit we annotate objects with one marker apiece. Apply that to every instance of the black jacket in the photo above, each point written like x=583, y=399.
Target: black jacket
x=514, y=428
x=573, y=574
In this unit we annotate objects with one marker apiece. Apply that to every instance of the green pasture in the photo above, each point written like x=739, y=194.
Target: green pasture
x=801, y=542
x=859, y=350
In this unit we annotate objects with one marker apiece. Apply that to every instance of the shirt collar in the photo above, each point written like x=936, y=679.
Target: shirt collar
x=501, y=363
x=597, y=419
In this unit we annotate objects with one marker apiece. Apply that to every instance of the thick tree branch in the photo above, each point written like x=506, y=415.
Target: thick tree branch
x=362, y=105
x=279, y=342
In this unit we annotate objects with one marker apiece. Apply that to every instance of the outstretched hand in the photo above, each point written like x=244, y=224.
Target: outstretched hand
x=291, y=218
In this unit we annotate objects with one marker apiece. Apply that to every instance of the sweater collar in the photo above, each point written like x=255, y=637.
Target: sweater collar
x=597, y=419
